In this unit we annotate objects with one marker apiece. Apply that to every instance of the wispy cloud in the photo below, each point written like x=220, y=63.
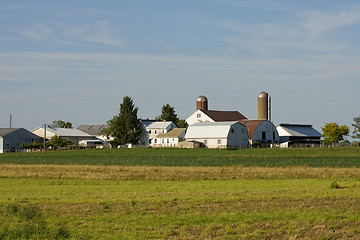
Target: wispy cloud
x=319, y=22
x=99, y=32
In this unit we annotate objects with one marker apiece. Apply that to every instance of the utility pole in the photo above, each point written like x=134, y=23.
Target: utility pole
x=10, y=120
x=44, y=136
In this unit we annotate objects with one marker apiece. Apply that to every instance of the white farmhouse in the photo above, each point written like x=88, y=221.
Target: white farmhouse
x=156, y=128
x=170, y=139
x=219, y=134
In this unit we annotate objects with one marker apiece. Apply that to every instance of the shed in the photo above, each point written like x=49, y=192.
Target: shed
x=12, y=138
x=301, y=135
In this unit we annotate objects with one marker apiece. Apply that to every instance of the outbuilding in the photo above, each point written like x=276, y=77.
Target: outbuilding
x=219, y=134
x=298, y=135
x=261, y=132
x=12, y=138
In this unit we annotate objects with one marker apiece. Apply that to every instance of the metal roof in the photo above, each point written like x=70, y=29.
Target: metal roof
x=95, y=129
x=224, y=116
x=251, y=126
x=67, y=132
x=209, y=130
x=297, y=130
x=160, y=125
x=6, y=131
x=174, y=133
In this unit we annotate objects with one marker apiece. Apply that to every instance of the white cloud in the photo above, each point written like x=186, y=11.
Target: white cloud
x=100, y=32
x=319, y=22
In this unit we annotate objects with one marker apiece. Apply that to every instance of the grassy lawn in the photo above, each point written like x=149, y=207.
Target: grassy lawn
x=220, y=194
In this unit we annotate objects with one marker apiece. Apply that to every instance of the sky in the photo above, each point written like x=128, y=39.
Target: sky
x=76, y=60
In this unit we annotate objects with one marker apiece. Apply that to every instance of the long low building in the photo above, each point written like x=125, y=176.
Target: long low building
x=298, y=135
x=219, y=134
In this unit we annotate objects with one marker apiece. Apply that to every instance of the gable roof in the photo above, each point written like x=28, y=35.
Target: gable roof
x=161, y=125
x=209, y=130
x=6, y=131
x=174, y=133
x=297, y=130
x=95, y=129
x=224, y=116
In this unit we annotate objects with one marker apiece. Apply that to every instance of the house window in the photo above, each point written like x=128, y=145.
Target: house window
x=274, y=135
x=263, y=135
x=155, y=131
x=167, y=140
x=198, y=115
x=205, y=141
x=155, y=140
x=149, y=131
x=219, y=141
x=162, y=140
x=149, y=141
x=232, y=130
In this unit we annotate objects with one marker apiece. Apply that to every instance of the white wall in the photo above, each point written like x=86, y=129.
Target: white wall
x=269, y=129
x=1, y=145
x=198, y=116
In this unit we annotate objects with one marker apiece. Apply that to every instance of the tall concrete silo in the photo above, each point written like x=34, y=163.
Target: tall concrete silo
x=264, y=106
x=202, y=103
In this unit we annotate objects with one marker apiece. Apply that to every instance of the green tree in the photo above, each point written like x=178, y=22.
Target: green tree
x=57, y=141
x=333, y=133
x=356, y=125
x=60, y=124
x=126, y=126
x=168, y=114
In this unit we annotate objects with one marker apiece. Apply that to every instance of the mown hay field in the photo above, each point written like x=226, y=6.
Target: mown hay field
x=58, y=195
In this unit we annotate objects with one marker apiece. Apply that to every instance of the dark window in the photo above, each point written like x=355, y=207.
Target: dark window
x=263, y=135
x=273, y=135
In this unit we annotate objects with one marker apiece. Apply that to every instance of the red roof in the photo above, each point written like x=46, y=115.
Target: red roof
x=224, y=116
x=251, y=126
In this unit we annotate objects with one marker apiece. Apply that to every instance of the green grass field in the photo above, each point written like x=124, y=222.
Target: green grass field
x=312, y=157
x=196, y=194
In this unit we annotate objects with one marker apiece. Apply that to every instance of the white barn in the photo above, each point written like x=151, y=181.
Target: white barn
x=202, y=115
x=261, y=131
x=219, y=134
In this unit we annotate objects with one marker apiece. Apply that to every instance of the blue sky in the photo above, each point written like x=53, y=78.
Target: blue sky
x=76, y=60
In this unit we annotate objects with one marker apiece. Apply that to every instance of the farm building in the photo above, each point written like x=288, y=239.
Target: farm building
x=70, y=134
x=219, y=134
x=169, y=139
x=95, y=130
x=262, y=132
x=202, y=114
x=298, y=135
x=12, y=138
